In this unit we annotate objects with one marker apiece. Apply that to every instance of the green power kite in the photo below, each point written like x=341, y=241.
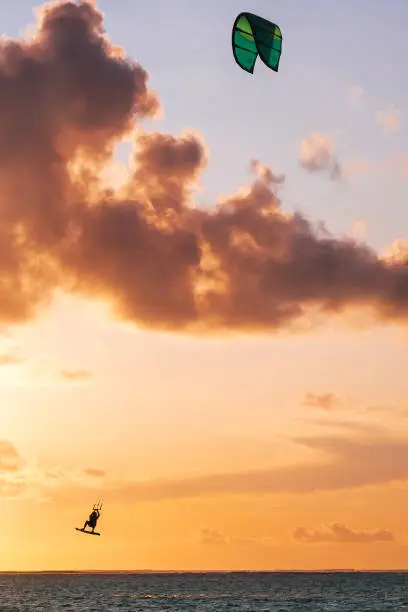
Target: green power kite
x=253, y=36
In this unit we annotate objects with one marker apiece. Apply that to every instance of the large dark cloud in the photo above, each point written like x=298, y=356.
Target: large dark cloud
x=67, y=97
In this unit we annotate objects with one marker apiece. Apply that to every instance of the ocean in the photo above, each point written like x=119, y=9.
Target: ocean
x=206, y=592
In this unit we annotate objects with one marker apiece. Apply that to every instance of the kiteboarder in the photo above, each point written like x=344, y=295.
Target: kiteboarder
x=93, y=519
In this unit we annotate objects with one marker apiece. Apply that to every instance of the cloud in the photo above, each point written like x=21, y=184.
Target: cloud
x=396, y=253
x=351, y=168
x=68, y=98
x=212, y=537
x=336, y=532
x=54, y=473
x=402, y=165
x=10, y=359
x=397, y=411
x=12, y=484
x=76, y=375
x=389, y=119
x=10, y=459
x=377, y=408
x=354, y=427
x=94, y=472
x=316, y=155
x=10, y=489
x=325, y=401
x=359, y=229
x=356, y=94
x=341, y=463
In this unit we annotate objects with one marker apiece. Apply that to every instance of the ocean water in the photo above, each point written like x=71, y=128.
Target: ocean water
x=206, y=592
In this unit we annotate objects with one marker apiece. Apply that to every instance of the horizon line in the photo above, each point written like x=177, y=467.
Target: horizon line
x=218, y=571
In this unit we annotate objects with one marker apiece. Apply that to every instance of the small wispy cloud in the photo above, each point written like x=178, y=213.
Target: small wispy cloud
x=397, y=411
x=212, y=537
x=316, y=155
x=10, y=489
x=10, y=359
x=336, y=532
x=356, y=428
x=355, y=167
x=94, y=472
x=377, y=408
x=54, y=473
x=402, y=164
x=75, y=375
x=389, y=119
x=355, y=96
x=10, y=459
x=324, y=401
x=12, y=483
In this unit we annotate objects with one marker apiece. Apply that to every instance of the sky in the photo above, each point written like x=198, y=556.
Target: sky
x=204, y=288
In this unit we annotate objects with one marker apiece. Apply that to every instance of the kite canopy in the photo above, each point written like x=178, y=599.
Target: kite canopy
x=253, y=36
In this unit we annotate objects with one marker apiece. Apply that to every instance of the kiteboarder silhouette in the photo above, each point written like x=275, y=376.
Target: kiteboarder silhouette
x=92, y=520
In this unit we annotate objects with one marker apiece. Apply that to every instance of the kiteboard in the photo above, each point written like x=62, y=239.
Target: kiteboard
x=89, y=532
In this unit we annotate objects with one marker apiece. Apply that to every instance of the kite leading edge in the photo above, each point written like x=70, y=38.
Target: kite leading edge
x=253, y=36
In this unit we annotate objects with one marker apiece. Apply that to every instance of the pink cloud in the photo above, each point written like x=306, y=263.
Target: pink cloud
x=389, y=119
x=316, y=154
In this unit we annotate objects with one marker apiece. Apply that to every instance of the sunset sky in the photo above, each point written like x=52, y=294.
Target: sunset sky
x=203, y=287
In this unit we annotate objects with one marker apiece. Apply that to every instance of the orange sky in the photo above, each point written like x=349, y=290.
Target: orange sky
x=229, y=380
x=211, y=452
